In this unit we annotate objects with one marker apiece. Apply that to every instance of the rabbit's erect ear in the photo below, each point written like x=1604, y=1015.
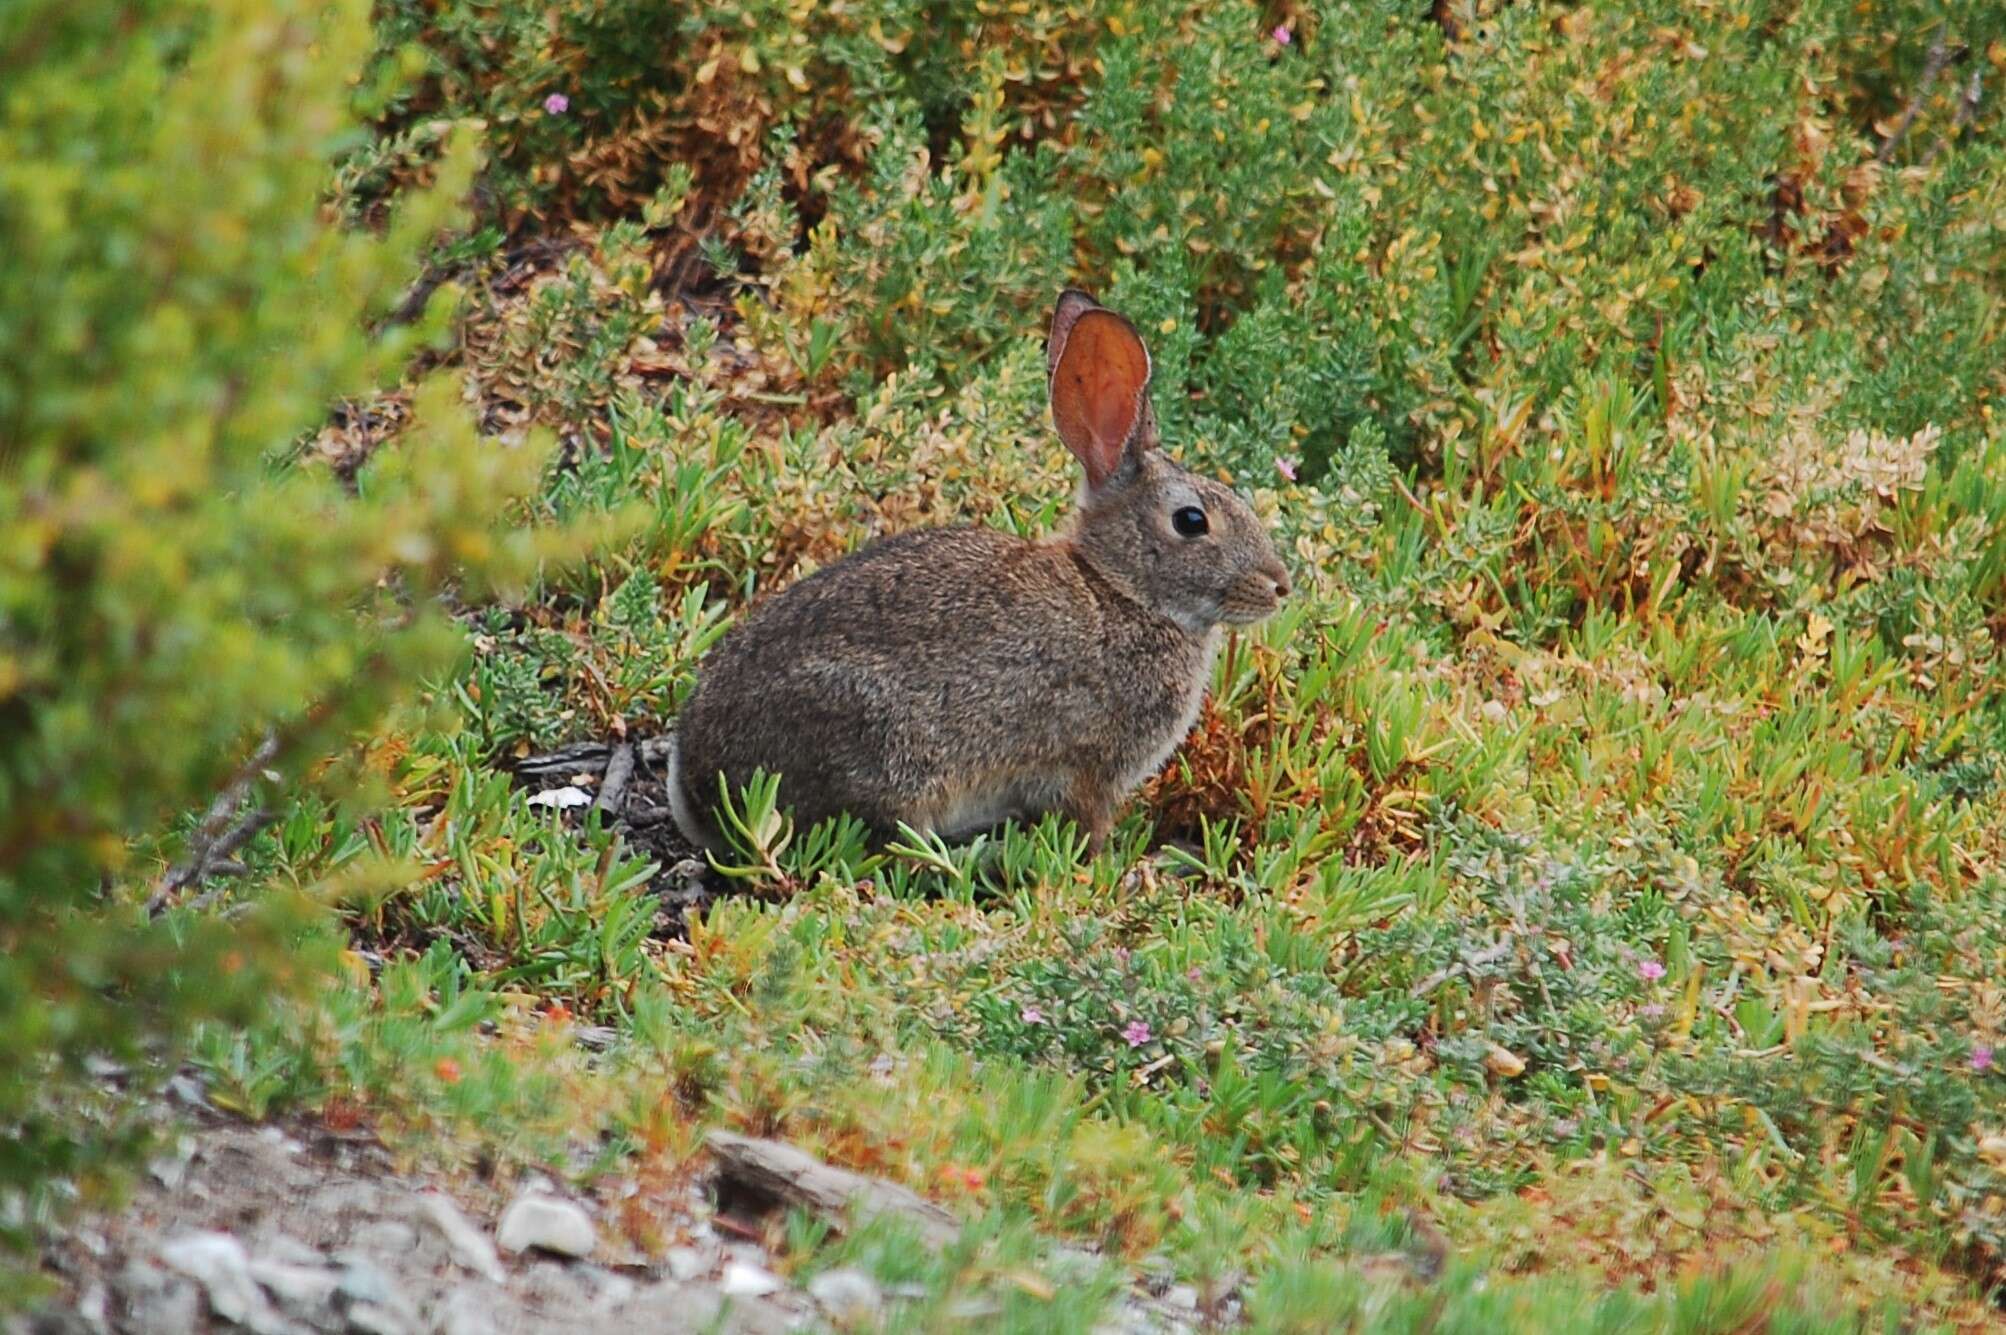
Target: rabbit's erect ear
x=1100, y=385
x=1073, y=303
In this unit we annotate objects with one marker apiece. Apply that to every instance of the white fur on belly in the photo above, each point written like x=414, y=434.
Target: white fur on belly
x=686, y=819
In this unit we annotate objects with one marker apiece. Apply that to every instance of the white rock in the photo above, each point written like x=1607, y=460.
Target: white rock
x=466, y=1310
x=157, y=1302
x=685, y=1264
x=374, y=1306
x=168, y=1170
x=361, y=1282
x=561, y=798
x=546, y=1223
x=748, y=1281
x=1183, y=1295
x=848, y=1296
x=614, y=1291
x=219, y=1263
x=470, y=1246
x=279, y=1140
x=94, y=1305
x=369, y=1319
x=298, y=1287
x=384, y=1237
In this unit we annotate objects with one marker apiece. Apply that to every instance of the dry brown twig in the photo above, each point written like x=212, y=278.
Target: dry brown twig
x=1967, y=110
x=1940, y=52
x=225, y=828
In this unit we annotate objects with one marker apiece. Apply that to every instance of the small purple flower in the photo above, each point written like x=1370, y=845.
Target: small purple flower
x=1121, y=954
x=556, y=104
x=1031, y=1015
x=1650, y=971
x=1137, y=1033
x=1282, y=34
x=1286, y=467
x=1981, y=1058
x=1193, y=974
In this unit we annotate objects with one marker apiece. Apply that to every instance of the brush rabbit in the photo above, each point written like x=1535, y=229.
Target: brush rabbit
x=956, y=678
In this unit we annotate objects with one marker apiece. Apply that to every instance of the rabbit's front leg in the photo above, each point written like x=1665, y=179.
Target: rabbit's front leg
x=1091, y=802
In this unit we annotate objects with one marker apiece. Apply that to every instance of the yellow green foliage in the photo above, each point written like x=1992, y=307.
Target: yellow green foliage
x=175, y=311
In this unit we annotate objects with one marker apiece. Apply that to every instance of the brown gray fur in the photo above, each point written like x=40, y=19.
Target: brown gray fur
x=956, y=678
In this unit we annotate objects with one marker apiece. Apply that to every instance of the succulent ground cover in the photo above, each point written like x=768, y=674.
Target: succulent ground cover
x=1591, y=880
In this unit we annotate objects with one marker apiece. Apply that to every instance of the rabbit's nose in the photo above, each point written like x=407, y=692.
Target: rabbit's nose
x=1280, y=576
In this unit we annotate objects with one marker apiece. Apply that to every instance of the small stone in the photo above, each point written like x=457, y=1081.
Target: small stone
x=685, y=1264
x=465, y=1310
x=369, y=1319
x=158, y=1302
x=614, y=1291
x=169, y=1170
x=285, y=1249
x=372, y=1303
x=748, y=1281
x=364, y=1199
x=219, y=1263
x=1184, y=1296
x=299, y=1289
x=548, y=1224
x=386, y=1237
x=280, y=1141
x=1504, y=1062
x=361, y=1282
x=848, y=1296
x=469, y=1246
x=94, y=1306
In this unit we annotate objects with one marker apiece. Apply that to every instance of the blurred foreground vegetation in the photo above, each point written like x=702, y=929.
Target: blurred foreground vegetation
x=1597, y=865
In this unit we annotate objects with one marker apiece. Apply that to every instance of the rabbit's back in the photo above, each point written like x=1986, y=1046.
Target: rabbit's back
x=946, y=678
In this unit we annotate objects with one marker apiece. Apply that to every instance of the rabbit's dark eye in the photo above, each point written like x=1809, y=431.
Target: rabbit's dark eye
x=1189, y=521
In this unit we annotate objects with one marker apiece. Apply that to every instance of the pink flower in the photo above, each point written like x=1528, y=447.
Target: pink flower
x=1286, y=467
x=1282, y=35
x=1193, y=974
x=1031, y=1015
x=1650, y=971
x=1981, y=1057
x=1137, y=1033
x=556, y=104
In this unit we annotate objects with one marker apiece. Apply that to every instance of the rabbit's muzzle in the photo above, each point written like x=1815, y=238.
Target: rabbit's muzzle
x=1255, y=595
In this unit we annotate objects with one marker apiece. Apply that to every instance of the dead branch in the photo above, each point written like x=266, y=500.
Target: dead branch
x=216, y=838
x=1932, y=66
x=1967, y=110
x=770, y=1171
x=612, y=796
x=565, y=761
x=1488, y=955
x=218, y=860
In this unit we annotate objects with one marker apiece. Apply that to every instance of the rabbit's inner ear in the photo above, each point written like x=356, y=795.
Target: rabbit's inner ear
x=1100, y=388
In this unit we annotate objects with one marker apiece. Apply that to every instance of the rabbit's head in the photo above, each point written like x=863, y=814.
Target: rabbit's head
x=1183, y=545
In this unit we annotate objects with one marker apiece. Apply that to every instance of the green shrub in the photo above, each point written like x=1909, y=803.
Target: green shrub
x=184, y=612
